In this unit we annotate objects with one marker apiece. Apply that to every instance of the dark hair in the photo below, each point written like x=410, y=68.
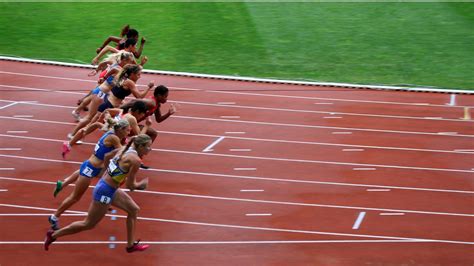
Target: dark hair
x=139, y=106
x=130, y=42
x=160, y=90
x=132, y=33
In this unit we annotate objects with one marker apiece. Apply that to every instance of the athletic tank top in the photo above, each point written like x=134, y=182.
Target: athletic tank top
x=115, y=172
x=100, y=148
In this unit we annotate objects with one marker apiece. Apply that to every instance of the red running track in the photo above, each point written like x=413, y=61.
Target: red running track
x=303, y=176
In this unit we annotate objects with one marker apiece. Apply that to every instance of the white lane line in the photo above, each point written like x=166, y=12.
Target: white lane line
x=359, y=208
x=363, y=169
x=392, y=213
x=461, y=150
x=252, y=190
x=258, y=214
x=240, y=93
x=8, y=105
x=234, y=132
x=433, y=117
x=358, y=220
x=352, y=149
x=7, y=169
x=274, y=159
x=245, y=169
x=226, y=103
x=240, y=149
x=341, y=133
x=378, y=190
x=331, y=117
x=10, y=149
x=258, y=139
x=215, y=242
x=299, y=125
x=271, y=158
x=24, y=116
x=17, y=132
x=447, y=133
x=269, y=179
x=323, y=103
x=230, y=116
x=3, y=190
x=209, y=148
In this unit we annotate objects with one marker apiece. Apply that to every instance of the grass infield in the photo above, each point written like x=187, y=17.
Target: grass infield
x=423, y=44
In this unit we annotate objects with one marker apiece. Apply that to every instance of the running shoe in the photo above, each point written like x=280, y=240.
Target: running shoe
x=136, y=247
x=142, y=166
x=66, y=149
x=76, y=115
x=49, y=239
x=54, y=223
x=59, y=187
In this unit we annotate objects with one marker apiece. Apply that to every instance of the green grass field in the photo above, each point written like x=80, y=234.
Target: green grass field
x=424, y=44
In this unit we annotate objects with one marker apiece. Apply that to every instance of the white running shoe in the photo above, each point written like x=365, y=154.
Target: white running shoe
x=77, y=116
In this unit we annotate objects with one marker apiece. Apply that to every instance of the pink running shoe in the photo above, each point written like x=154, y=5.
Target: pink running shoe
x=49, y=239
x=137, y=247
x=66, y=149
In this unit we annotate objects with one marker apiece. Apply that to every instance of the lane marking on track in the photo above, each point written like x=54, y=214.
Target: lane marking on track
x=258, y=139
x=23, y=116
x=226, y=103
x=243, y=93
x=17, y=132
x=240, y=150
x=267, y=201
x=10, y=149
x=252, y=190
x=392, y=213
x=245, y=169
x=269, y=229
x=331, y=117
x=234, y=132
x=277, y=159
x=302, y=125
x=358, y=221
x=3, y=190
x=8, y=105
x=323, y=103
x=341, y=133
x=230, y=116
x=258, y=214
x=214, y=242
x=377, y=190
x=7, y=169
x=364, y=169
x=447, y=133
x=209, y=148
x=352, y=149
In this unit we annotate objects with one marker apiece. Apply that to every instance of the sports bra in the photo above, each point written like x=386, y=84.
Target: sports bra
x=120, y=92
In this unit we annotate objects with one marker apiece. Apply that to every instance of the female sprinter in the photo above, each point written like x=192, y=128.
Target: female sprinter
x=117, y=62
x=137, y=112
x=91, y=168
x=123, y=85
x=121, y=169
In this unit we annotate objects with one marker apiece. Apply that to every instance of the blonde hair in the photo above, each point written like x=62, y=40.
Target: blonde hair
x=138, y=141
x=119, y=57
